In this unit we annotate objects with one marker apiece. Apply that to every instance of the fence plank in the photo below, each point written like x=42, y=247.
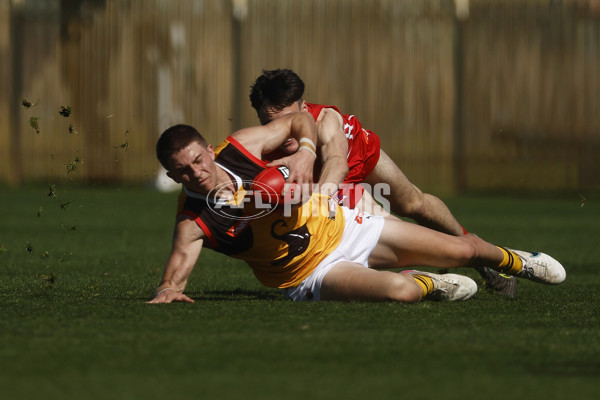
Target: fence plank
x=519, y=109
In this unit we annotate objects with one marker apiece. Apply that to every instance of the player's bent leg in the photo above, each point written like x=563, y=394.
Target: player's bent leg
x=407, y=200
x=404, y=244
x=350, y=281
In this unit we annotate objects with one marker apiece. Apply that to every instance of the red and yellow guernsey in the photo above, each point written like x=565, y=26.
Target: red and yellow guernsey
x=281, y=248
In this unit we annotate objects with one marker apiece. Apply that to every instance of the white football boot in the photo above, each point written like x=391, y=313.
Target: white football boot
x=449, y=287
x=540, y=267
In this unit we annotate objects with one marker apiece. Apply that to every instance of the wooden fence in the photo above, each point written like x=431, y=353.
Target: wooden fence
x=480, y=94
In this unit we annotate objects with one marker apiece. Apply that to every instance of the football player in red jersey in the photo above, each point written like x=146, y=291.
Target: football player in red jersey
x=313, y=253
x=353, y=156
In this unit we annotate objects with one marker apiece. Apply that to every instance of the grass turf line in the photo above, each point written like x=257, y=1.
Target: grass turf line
x=75, y=278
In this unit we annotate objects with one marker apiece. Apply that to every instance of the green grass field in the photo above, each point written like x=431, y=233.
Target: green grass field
x=76, y=270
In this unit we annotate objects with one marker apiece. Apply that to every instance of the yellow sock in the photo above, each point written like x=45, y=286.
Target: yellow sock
x=511, y=264
x=425, y=282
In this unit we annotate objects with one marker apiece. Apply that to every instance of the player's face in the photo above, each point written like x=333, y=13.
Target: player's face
x=194, y=167
x=290, y=146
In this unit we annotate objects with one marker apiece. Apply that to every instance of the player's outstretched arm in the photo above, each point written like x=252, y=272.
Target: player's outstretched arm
x=333, y=147
x=187, y=244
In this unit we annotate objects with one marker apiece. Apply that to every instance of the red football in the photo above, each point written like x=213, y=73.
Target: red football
x=269, y=183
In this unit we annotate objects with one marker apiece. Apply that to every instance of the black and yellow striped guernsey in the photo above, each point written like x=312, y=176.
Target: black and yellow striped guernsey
x=281, y=250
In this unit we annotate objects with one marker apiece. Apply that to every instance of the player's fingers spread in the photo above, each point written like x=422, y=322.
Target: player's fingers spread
x=183, y=298
x=167, y=300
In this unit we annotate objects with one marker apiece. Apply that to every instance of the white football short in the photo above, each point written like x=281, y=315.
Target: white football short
x=361, y=234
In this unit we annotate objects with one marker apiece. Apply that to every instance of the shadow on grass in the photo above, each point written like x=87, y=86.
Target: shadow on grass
x=229, y=295
x=570, y=368
x=238, y=294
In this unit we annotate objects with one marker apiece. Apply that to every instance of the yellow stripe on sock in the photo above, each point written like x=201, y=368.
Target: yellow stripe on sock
x=425, y=282
x=511, y=264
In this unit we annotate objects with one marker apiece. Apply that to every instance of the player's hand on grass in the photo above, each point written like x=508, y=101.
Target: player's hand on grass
x=169, y=296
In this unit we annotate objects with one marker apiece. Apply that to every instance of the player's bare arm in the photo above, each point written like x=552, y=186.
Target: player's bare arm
x=264, y=139
x=333, y=147
x=187, y=244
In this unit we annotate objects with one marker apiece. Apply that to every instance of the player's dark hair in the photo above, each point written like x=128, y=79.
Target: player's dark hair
x=174, y=139
x=275, y=90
